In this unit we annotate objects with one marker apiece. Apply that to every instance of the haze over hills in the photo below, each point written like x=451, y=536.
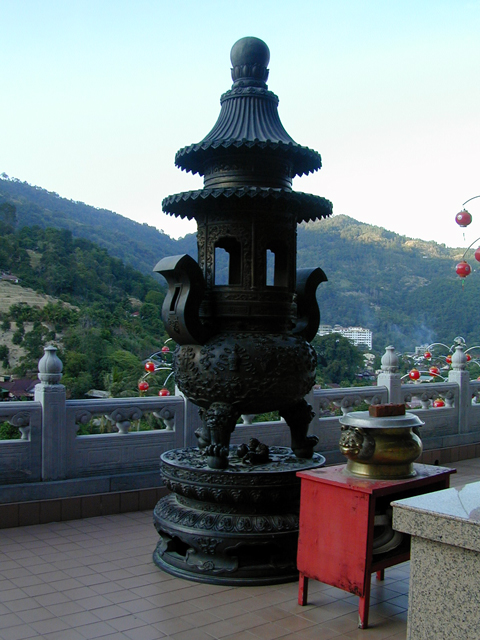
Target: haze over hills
x=405, y=290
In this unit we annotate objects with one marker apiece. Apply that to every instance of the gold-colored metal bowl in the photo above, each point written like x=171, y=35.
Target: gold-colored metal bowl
x=380, y=448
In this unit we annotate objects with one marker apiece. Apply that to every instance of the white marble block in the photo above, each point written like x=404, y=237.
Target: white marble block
x=444, y=596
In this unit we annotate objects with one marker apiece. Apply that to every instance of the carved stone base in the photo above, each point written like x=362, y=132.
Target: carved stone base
x=235, y=526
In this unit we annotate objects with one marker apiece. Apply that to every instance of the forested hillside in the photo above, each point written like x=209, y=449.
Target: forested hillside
x=106, y=319
x=406, y=291
x=138, y=245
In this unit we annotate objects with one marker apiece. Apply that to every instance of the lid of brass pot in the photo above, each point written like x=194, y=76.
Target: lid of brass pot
x=382, y=416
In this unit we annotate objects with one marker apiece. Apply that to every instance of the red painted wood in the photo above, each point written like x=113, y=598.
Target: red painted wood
x=337, y=514
x=363, y=609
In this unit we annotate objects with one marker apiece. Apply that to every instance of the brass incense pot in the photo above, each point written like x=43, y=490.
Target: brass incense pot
x=381, y=443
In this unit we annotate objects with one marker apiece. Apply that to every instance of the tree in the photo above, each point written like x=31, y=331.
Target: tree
x=338, y=359
x=4, y=353
x=8, y=217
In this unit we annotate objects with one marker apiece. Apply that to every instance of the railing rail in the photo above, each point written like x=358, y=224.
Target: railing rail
x=125, y=451
x=51, y=459
x=20, y=460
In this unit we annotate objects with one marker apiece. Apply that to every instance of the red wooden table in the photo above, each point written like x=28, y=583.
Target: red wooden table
x=337, y=512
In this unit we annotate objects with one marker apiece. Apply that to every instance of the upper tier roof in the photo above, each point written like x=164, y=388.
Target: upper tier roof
x=248, y=120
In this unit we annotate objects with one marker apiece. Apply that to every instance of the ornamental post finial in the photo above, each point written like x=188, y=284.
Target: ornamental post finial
x=50, y=366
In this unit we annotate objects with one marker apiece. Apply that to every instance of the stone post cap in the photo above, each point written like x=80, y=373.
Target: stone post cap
x=50, y=366
x=389, y=360
x=459, y=359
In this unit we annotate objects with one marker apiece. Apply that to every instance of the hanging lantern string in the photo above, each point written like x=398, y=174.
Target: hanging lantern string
x=469, y=200
x=468, y=249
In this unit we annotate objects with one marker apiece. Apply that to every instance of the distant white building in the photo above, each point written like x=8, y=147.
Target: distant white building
x=356, y=335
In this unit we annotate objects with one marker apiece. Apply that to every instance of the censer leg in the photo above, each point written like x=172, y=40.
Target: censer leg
x=298, y=417
x=220, y=420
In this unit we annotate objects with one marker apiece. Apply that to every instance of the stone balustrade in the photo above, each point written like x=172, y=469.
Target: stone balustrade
x=51, y=460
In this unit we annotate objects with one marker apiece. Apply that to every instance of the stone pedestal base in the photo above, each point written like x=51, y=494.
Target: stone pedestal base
x=237, y=526
x=445, y=562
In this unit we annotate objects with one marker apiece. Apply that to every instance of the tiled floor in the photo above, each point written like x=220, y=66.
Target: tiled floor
x=95, y=578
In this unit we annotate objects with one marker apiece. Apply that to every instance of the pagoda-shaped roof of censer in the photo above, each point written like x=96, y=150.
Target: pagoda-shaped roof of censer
x=248, y=153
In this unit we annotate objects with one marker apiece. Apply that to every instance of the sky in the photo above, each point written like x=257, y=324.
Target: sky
x=97, y=97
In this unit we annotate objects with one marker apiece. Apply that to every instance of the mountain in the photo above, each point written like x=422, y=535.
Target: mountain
x=405, y=290
x=138, y=245
x=104, y=315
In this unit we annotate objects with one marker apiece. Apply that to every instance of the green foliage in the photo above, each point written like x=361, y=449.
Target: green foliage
x=9, y=432
x=134, y=244
x=338, y=359
x=18, y=336
x=8, y=218
x=4, y=354
x=406, y=291
x=103, y=344
x=22, y=312
x=103, y=425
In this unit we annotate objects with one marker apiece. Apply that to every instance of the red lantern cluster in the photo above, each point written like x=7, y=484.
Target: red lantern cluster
x=438, y=403
x=164, y=392
x=143, y=385
x=414, y=374
x=463, y=269
x=477, y=254
x=468, y=356
x=165, y=349
x=150, y=366
x=427, y=355
x=448, y=359
x=434, y=371
x=463, y=218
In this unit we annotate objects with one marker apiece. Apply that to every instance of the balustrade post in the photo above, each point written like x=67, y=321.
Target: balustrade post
x=191, y=421
x=51, y=396
x=461, y=377
x=389, y=377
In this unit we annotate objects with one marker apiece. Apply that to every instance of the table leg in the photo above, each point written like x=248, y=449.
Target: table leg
x=363, y=607
x=302, y=589
x=381, y=574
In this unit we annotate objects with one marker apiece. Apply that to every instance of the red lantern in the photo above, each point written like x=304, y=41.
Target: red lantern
x=164, y=392
x=414, y=374
x=150, y=366
x=463, y=269
x=463, y=219
x=438, y=403
x=143, y=385
x=165, y=349
x=449, y=359
x=434, y=371
x=468, y=356
x=427, y=355
x=477, y=254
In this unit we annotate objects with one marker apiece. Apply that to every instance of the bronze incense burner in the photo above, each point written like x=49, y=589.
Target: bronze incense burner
x=243, y=341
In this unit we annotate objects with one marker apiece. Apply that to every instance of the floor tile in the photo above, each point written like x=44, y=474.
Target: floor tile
x=63, y=581
x=97, y=630
x=20, y=632
x=10, y=620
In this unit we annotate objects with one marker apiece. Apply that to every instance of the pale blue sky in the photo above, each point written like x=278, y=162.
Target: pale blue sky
x=97, y=96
